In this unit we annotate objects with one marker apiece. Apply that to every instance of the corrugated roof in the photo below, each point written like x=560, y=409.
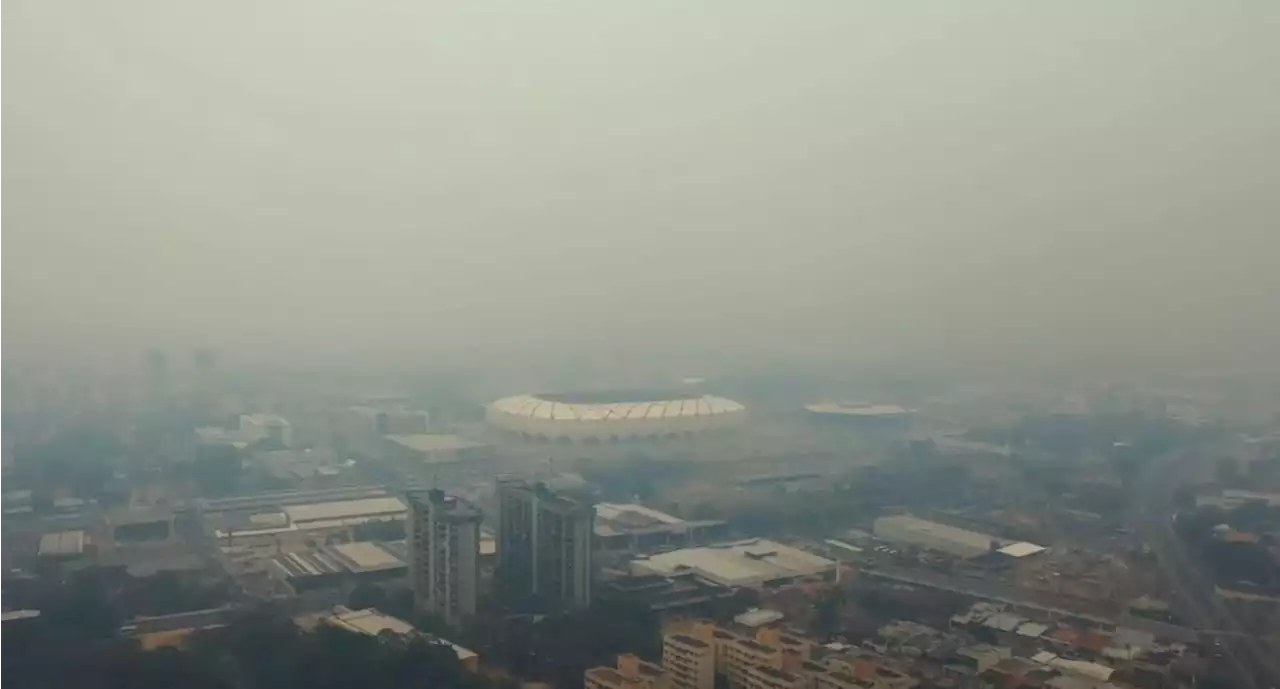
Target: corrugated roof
x=62, y=543
x=433, y=442
x=741, y=562
x=344, y=509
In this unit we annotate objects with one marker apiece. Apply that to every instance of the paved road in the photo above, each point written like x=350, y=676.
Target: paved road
x=1151, y=516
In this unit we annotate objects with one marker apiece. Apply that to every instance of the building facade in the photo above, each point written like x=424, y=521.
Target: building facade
x=690, y=662
x=444, y=548
x=545, y=543
x=631, y=673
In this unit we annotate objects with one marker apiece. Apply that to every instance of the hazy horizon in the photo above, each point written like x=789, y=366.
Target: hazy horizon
x=657, y=185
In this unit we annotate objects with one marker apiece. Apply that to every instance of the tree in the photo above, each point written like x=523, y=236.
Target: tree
x=366, y=596
x=218, y=469
x=827, y=611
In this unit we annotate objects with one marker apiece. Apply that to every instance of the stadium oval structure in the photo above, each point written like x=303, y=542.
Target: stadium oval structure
x=604, y=417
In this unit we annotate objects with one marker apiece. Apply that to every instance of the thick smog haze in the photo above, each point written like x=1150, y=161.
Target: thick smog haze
x=709, y=183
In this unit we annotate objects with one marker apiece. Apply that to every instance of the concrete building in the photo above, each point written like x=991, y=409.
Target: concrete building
x=444, y=544
x=753, y=562
x=545, y=540
x=672, y=594
x=62, y=544
x=690, y=662
x=636, y=528
x=765, y=677
x=335, y=565
x=909, y=530
x=258, y=427
x=631, y=673
x=373, y=623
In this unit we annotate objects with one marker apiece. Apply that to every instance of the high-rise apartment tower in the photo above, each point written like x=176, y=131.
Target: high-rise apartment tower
x=444, y=548
x=544, y=543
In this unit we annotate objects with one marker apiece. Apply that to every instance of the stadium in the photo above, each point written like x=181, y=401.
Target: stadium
x=863, y=416
x=616, y=416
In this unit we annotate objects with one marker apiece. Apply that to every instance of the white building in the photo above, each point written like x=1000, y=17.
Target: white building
x=909, y=530
x=62, y=544
x=754, y=562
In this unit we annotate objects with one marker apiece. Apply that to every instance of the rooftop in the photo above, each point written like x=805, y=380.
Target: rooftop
x=369, y=622
x=776, y=673
x=613, y=407
x=847, y=409
x=62, y=543
x=689, y=641
x=358, y=557
x=606, y=675
x=740, y=563
x=367, y=556
x=344, y=509
x=950, y=533
x=434, y=442
x=372, y=622
x=614, y=519
x=756, y=645
x=757, y=617
x=12, y=615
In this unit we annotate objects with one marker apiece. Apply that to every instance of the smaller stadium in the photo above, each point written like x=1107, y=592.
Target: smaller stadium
x=862, y=416
x=614, y=416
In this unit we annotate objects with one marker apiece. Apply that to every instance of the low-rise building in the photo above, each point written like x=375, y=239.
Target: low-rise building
x=767, y=677
x=663, y=594
x=690, y=662
x=636, y=528
x=631, y=673
x=373, y=623
x=62, y=545
x=909, y=530
x=754, y=562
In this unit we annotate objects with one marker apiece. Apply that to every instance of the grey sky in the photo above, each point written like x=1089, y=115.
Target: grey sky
x=832, y=180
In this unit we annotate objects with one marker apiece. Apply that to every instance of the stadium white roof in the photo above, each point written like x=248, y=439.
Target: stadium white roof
x=857, y=409
x=751, y=562
x=534, y=407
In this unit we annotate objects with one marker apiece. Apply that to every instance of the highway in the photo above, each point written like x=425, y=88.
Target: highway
x=1152, y=518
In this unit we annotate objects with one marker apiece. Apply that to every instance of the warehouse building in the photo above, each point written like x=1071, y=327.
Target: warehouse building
x=294, y=523
x=754, y=563
x=62, y=544
x=373, y=623
x=334, y=565
x=909, y=530
x=636, y=528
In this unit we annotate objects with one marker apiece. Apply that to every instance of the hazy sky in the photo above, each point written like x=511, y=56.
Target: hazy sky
x=701, y=182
